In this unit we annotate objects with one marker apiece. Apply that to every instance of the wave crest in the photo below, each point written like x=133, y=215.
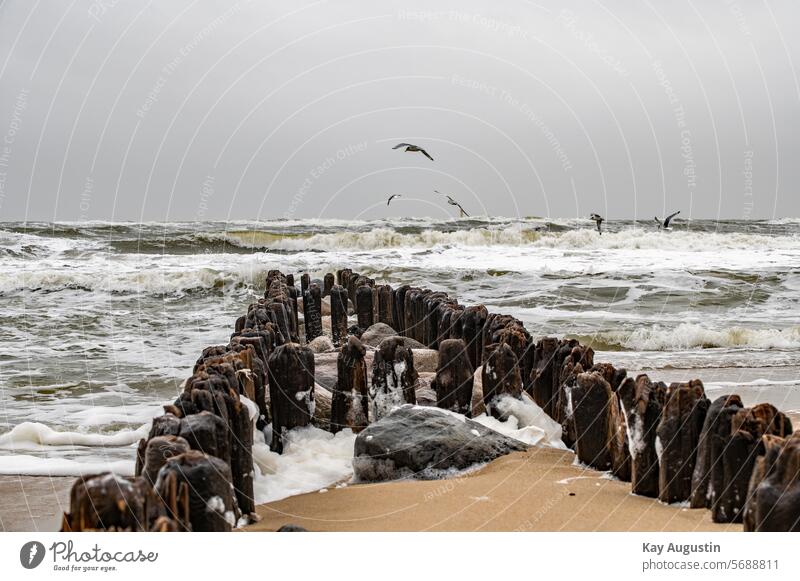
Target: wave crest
x=693, y=336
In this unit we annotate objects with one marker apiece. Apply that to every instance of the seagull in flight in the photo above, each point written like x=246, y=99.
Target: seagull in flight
x=665, y=224
x=392, y=197
x=452, y=202
x=412, y=148
x=599, y=220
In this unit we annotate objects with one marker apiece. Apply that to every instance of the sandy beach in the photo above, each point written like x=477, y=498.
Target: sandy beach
x=537, y=490
x=33, y=503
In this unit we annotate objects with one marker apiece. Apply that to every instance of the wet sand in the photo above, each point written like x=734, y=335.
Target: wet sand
x=33, y=503
x=537, y=490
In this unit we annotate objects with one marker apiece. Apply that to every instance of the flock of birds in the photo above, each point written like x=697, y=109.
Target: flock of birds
x=662, y=224
x=410, y=147
x=598, y=219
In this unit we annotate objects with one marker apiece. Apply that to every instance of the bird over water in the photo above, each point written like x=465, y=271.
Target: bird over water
x=413, y=148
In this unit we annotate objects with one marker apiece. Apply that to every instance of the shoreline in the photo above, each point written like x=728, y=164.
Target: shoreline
x=541, y=490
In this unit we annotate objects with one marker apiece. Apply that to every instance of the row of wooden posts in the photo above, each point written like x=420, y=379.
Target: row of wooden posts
x=195, y=469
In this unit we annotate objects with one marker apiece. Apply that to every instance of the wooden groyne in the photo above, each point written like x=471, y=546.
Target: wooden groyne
x=195, y=469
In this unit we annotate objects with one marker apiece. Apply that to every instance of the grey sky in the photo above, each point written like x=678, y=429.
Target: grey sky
x=131, y=110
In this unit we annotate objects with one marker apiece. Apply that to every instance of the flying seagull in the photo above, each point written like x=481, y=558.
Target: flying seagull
x=599, y=219
x=392, y=197
x=452, y=202
x=412, y=148
x=665, y=224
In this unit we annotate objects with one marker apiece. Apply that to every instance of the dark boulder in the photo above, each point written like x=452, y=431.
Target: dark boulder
x=377, y=333
x=425, y=443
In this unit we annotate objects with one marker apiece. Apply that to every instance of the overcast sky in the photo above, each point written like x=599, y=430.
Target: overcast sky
x=191, y=110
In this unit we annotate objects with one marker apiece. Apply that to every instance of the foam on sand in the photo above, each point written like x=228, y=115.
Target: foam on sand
x=36, y=436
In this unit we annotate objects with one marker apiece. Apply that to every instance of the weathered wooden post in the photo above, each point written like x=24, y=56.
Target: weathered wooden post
x=157, y=451
x=338, y=314
x=454, y=377
x=327, y=284
x=677, y=437
x=291, y=390
x=312, y=312
x=748, y=425
x=350, y=401
x=386, y=305
x=305, y=281
x=472, y=321
x=500, y=377
x=642, y=401
x=394, y=379
x=542, y=374
x=399, y=308
x=591, y=398
x=364, y=308
x=711, y=443
x=203, y=483
x=107, y=502
x=774, y=493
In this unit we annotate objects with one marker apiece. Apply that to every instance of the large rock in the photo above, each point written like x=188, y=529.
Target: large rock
x=321, y=344
x=407, y=342
x=425, y=443
x=377, y=333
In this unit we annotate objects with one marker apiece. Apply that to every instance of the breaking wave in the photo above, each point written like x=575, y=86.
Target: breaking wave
x=514, y=235
x=693, y=336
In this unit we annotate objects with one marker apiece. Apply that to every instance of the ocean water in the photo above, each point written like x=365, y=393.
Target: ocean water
x=101, y=322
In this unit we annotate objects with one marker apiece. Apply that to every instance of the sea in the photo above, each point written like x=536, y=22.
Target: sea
x=101, y=322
